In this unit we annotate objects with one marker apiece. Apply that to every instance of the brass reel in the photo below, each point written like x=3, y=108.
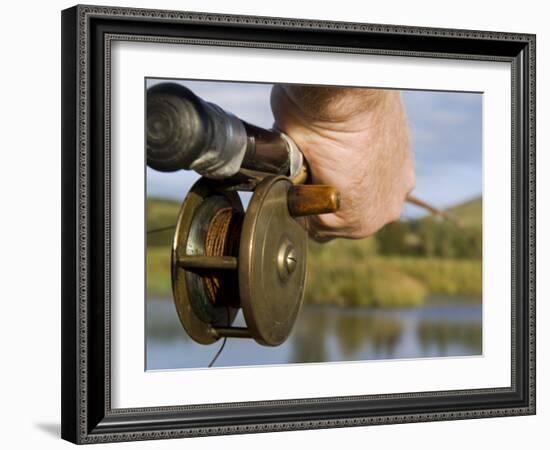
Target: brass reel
x=224, y=259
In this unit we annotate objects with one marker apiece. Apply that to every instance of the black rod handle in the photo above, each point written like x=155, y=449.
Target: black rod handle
x=186, y=132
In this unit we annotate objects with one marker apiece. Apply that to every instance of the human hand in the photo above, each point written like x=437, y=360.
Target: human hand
x=356, y=140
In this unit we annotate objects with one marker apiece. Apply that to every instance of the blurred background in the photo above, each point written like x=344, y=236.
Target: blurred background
x=412, y=290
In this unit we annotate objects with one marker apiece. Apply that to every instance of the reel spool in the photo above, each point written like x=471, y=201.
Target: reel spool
x=224, y=259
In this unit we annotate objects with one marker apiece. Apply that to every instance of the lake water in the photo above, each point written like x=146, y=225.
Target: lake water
x=444, y=327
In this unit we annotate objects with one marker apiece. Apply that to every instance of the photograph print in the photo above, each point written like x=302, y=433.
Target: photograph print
x=297, y=224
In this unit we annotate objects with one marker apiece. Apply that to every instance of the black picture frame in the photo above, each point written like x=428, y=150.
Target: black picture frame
x=87, y=33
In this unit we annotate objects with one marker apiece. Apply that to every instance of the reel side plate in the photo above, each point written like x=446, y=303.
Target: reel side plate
x=272, y=263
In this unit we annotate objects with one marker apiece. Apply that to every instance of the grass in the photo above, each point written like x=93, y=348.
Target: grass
x=443, y=276
x=350, y=273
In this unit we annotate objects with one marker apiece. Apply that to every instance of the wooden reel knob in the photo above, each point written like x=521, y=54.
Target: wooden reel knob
x=312, y=199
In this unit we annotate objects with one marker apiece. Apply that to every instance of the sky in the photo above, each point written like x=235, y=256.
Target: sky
x=446, y=130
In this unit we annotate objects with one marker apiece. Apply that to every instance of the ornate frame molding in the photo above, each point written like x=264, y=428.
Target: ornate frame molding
x=88, y=32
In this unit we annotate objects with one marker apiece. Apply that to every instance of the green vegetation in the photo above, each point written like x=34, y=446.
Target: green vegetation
x=389, y=281
x=161, y=214
x=159, y=282
x=402, y=265
x=468, y=214
x=434, y=237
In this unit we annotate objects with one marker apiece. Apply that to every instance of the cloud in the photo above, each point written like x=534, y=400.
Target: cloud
x=446, y=129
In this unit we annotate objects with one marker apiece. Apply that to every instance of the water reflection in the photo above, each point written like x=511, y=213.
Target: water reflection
x=309, y=338
x=354, y=332
x=326, y=334
x=446, y=333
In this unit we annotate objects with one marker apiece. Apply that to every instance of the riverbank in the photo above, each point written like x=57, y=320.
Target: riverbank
x=390, y=281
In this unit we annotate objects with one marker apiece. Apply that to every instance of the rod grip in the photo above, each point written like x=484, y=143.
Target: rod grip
x=312, y=199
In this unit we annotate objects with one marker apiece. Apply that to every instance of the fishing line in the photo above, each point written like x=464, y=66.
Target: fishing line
x=158, y=230
x=218, y=353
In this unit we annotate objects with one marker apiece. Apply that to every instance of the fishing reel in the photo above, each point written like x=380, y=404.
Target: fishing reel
x=226, y=258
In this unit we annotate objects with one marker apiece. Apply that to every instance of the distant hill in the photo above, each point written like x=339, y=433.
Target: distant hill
x=468, y=214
